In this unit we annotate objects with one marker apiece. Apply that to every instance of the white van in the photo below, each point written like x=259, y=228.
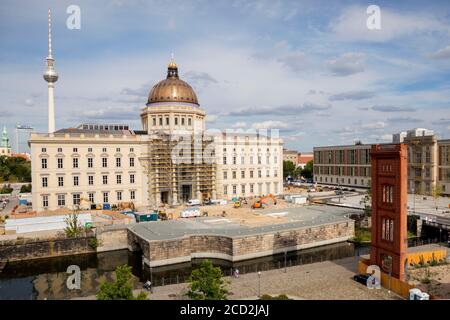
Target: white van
x=194, y=202
x=190, y=213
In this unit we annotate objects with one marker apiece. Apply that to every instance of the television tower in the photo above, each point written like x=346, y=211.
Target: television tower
x=51, y=77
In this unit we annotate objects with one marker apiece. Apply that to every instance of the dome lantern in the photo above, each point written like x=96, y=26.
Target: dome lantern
x=172, y=89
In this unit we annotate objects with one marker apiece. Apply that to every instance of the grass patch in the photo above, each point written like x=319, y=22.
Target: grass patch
x=362, y=235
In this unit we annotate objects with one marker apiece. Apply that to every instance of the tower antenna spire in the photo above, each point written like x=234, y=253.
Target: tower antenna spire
x=49, y=33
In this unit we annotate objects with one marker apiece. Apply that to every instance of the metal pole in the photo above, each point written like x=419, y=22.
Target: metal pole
x=151, y=280
x=259, y=284
x=389, y=291
x=285, y=256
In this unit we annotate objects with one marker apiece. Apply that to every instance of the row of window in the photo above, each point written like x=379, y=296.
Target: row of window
x=167, y=121
x=90, y=163
x=350, y=156
x=343, y=171
x=76, y=180
x=251, y=189
x=341, y=180
x=251, y=150
x=76, y=198
x=60, y=150
x=234, y=160
x=243, y=176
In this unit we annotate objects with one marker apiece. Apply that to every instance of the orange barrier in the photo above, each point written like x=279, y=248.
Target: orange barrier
x=426, y=256
x=400, y=287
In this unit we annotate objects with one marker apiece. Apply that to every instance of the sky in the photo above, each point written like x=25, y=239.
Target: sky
x=311, y=69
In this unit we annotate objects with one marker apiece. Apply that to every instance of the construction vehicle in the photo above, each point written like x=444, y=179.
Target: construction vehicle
x=258, y=205
x=162, y=215
x=262, y=201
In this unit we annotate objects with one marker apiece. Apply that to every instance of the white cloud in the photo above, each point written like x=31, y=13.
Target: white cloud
x=351, y=24
x=352, y=95
x=211, y=117
x=373, y=125
x=443, y=53
x=29, y=102
x=270, y=124
x=346, y=64
x=239, y=125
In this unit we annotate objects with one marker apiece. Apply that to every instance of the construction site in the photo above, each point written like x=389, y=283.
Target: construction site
x=180, y=168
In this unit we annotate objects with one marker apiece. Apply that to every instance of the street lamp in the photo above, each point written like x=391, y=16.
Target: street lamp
x=151, y=280
x=259, y=284
x=285, y=256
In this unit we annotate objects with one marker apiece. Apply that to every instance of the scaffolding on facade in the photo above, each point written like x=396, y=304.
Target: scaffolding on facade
x=180, y=168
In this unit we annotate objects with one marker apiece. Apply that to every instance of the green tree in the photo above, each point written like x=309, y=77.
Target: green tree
x=206, y=283
x=288, y=168
x=15, y=169
x=73, y=226
x=6, y=189
x=307, y=171
x=121, y=288
x=436, y=193
x=366, y=201
x=26, y=188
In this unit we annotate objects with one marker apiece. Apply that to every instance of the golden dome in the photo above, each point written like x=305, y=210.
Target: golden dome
x=172, y=89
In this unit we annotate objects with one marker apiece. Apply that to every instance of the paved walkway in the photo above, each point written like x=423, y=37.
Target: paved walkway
x=327, y=280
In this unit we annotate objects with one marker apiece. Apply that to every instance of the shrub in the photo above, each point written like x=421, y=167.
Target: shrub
x=93, y=243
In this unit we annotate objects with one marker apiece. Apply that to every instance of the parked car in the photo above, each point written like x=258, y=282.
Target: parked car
x=361, y=278
x=339, y=192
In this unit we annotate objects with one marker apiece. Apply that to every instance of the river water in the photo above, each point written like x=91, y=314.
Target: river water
x=46, y=278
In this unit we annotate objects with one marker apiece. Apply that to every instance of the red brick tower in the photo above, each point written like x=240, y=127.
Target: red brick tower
x=389, y=208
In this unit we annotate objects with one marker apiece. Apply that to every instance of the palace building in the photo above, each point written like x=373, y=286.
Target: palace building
x=169, y=160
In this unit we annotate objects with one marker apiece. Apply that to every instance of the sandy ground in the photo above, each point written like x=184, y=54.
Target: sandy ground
x=244, y=215
x=329, y=280
x=439, y=284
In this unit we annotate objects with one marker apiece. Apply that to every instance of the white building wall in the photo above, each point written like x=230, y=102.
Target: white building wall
x=67, y=148
x=242, y=175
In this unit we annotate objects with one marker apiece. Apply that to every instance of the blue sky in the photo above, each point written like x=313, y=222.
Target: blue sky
x=311, y=69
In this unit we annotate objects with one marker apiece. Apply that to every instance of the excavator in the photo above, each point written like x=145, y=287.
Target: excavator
x=261, y=202
x=162, y=215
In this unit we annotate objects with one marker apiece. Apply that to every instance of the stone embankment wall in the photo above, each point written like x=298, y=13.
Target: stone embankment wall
x=169, y=251
x=112, y=238
x=25, y=249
